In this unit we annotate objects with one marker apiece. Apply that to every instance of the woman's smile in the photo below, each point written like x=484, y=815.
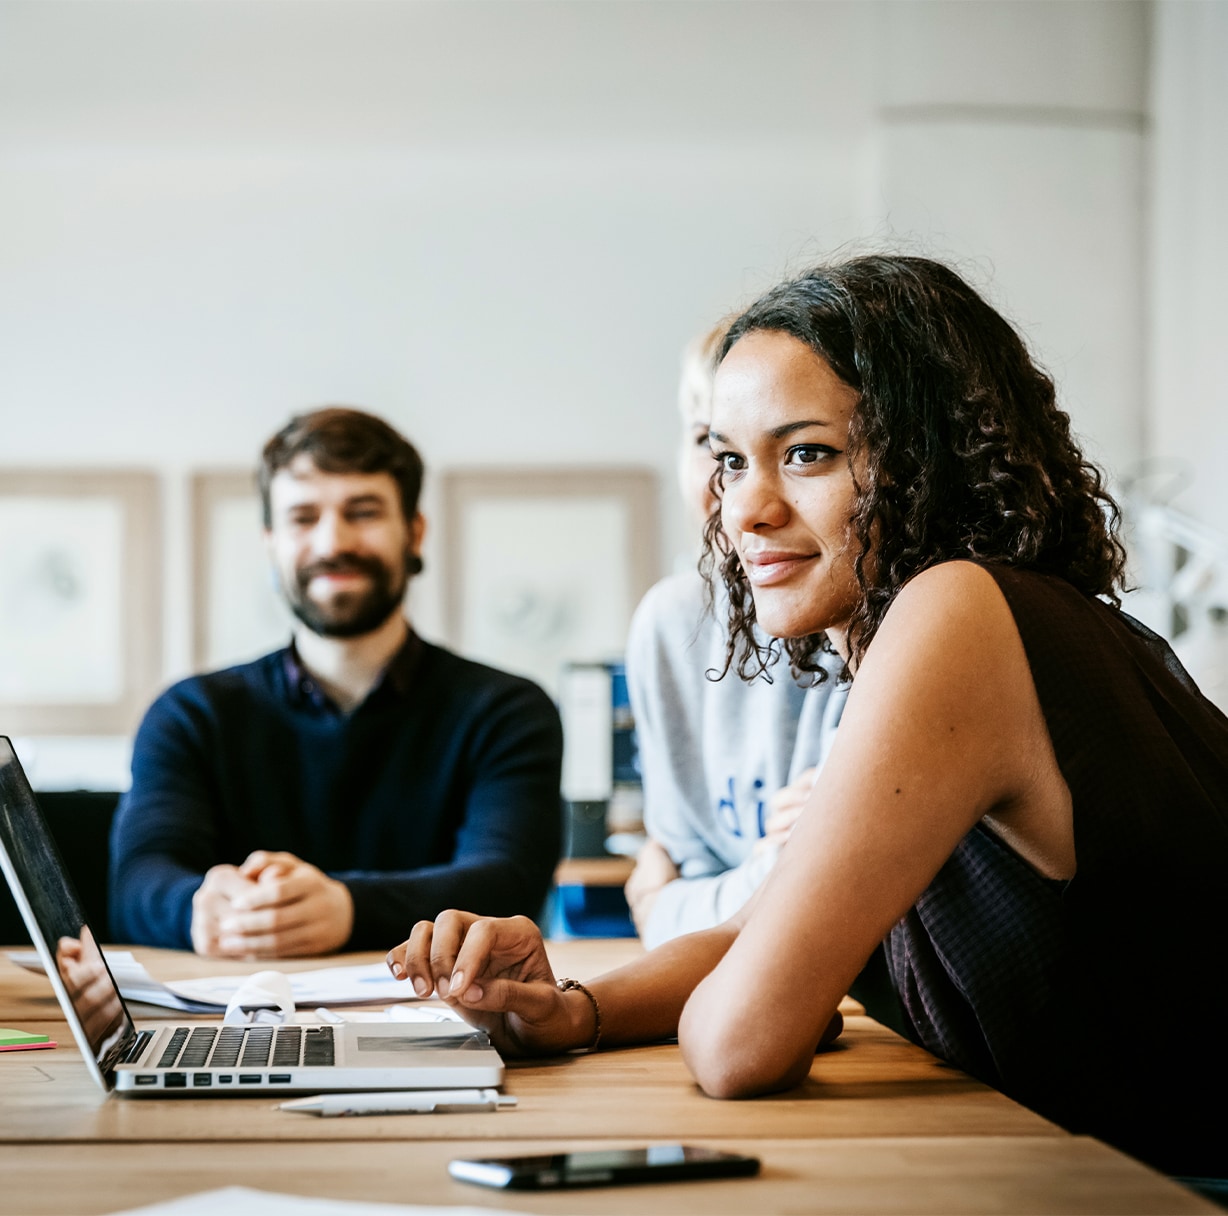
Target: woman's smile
x=767, y=567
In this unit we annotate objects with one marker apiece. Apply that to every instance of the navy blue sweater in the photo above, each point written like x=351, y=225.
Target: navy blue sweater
x=441, y=790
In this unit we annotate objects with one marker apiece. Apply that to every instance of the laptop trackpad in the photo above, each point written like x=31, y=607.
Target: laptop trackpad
x=404, y=1042
x=431, y=1042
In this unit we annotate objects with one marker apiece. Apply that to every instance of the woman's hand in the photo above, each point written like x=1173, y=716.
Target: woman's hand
x=654, y=870
x=495, y=974
x=784, y=809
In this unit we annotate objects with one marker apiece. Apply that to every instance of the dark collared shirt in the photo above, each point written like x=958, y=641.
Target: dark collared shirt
x=303, y=690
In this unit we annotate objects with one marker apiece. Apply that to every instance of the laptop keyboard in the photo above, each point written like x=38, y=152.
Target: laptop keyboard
x=248, y=1047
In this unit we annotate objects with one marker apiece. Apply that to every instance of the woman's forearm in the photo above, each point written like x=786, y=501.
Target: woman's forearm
x=642, y=1001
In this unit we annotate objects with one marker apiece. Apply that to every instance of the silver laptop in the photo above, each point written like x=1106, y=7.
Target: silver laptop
x=205, y=1059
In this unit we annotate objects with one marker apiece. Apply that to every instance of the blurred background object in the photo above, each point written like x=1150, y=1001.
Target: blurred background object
x=1179, y=576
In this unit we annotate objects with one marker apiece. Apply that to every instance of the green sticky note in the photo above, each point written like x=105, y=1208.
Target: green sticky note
x=19, y=1038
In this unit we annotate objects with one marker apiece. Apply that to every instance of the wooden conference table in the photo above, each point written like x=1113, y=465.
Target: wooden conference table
x=879, y=1126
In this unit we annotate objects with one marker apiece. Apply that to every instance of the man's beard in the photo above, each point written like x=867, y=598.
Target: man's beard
x=349, y=614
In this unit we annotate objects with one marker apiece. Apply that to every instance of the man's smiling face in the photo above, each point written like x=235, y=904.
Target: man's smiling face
x=341, y=546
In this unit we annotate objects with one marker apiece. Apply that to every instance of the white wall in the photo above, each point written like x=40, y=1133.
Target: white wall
x=1186, y=440
x=1012, y=141
x=1187, y=423
x=497, y=223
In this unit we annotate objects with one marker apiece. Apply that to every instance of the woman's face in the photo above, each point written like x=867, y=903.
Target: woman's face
x=780, y=423
x=695, y=468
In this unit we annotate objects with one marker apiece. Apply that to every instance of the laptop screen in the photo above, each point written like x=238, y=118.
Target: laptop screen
x=44, y=893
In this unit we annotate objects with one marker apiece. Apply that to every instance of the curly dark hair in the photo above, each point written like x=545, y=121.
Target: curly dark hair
x=962, y=448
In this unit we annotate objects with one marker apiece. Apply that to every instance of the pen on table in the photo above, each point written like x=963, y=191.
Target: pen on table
x=401, y=1102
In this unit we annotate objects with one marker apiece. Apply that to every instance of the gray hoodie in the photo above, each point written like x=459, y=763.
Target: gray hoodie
x=713, y=752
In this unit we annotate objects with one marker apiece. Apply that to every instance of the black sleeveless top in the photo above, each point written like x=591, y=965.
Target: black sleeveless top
x=1102, y=1003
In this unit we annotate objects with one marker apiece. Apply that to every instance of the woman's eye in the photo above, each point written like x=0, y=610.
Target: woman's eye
x=809, y=453
x=730, y=462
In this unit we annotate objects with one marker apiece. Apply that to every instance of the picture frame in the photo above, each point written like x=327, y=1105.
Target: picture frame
x=237, y=612
x=80, y=600
x=544, y=566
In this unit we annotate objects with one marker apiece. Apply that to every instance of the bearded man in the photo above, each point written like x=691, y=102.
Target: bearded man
x=329, y=795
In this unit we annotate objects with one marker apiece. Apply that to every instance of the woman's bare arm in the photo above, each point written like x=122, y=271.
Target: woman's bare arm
x=941, y=728
x=495, y=972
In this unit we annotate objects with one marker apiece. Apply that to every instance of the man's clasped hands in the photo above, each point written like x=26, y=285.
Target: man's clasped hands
x=274, y=904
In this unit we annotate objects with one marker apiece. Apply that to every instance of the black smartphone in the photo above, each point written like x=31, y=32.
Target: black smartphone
x=606, y=1167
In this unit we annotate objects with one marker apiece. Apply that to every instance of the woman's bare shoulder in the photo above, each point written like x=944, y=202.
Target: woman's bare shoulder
x=949, y=634
x=956, y=599
x=943, y=683
x=953, y=580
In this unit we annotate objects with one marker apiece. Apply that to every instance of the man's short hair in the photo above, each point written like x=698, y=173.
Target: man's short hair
x=342, y=440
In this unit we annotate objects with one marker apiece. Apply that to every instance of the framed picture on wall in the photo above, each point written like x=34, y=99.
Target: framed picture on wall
x=545, y=566
x=237, y=613
x=80, y=600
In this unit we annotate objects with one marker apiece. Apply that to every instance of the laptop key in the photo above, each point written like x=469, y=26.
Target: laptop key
x=170, y=1053
x=197, y=1051
x=318, y=1045
x=288, y=1046
x=229, y=1043
x=256, y=1047
x=139, y=1044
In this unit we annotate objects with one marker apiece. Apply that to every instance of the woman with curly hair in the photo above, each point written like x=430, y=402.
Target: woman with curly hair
x=726, y=765
x=1036, y=823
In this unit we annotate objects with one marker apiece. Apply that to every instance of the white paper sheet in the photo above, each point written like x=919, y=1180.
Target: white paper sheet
x=244, y=1201
x=327, y=986
x=351, y=985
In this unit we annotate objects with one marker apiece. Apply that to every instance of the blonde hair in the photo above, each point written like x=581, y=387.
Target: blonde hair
x=699, y=360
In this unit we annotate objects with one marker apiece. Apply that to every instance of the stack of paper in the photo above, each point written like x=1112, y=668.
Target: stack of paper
x=371, y=983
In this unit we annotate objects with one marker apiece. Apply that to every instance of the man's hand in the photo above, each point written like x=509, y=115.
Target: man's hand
x=785, y=806
x=654, y=869
x=212, y=902
x=272, y=906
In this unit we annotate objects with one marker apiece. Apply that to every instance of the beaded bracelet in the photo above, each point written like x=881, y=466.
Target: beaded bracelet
x=568, y=986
